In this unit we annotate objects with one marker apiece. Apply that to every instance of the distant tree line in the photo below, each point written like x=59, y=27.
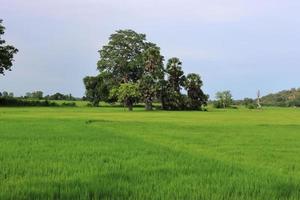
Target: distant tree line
x=132, y=70
x=56, y=96
x=36, y=98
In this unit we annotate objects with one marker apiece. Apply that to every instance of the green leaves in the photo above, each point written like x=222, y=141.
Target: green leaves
x=6, y=52
x=127, y=93
x=224, y=99
x=122, y=56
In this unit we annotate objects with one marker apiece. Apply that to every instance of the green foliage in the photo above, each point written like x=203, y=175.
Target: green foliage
x=173, y=99
x=224, y=99
x=122, y=57
x=250, y=103
x=175, y=74
x=15, y=102
x=196, y=97
x=97, y=88
x=6, y=52
x=285, y=98
x=60, y=96
x=153, y=73
x=128, y=94
x=34, y=95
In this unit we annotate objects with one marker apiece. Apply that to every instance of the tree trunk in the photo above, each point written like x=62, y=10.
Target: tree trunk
x=130, y=107
x=148, y=105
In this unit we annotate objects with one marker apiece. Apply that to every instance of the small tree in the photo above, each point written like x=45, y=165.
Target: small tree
x=6, y=52
x=128, y=94
x=224, y=99
x=37, y=95
x=96, y=89
x=196, y=97
x=5, y=94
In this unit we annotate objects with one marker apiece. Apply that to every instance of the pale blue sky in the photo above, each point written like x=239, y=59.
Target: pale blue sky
x=239, y=45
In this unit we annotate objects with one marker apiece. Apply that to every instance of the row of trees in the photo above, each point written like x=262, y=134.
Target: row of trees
x=6, y=94
x=132, y=70
x=38, y=95
x=56, y=96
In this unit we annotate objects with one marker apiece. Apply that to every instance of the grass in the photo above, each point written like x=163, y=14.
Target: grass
x=109, y=153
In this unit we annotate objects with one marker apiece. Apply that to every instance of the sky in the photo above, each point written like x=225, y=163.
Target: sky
x=237, y=45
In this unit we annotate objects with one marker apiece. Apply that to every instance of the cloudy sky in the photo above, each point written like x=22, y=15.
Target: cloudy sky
x=239, y=45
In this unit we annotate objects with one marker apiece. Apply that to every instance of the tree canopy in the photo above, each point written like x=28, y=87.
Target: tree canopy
x=6, y=52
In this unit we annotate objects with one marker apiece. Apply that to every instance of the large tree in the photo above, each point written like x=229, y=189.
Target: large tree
x=196, y=97
x=153, y=73
x=6, y=52
x=123, y=56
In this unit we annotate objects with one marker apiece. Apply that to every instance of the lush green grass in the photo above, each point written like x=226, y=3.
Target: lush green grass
x=109, y=153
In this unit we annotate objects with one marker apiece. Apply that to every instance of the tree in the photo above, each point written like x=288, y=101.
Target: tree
x=6, y=52
x=96, y=89
x=196, y=97
x=122, y=57
x=128, y=94
x=175, y=73
x=172, y=98
x=5, y=94
x=153, y=73
x=37, y=95
x=224, y=99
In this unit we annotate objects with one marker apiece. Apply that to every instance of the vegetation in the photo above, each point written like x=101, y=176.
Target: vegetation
x=285, y=98
x=224, y=99
x=6, y=52
x=106, y=153
x=130, y=59
x=16, y=102
x=60, y=96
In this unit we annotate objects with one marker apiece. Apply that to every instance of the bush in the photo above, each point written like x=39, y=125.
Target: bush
x=71, y=104
x=251, y=106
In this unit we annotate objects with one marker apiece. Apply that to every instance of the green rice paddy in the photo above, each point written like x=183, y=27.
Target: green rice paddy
x=110, y=153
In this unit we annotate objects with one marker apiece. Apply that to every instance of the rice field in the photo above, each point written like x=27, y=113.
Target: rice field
x=110, y=153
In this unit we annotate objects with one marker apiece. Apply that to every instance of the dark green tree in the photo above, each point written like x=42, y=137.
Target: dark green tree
x=6, y=52
x=5, y=94
x=122, y=57
x=196, y=97
x=37, y=95
x=97, y=89
x=153, y=73
x=172, y=98
x=175, y=74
